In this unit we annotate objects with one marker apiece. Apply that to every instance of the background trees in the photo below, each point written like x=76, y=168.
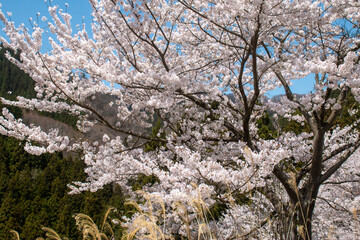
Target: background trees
x=33, y=193
x=33, y=190
x=179, y=61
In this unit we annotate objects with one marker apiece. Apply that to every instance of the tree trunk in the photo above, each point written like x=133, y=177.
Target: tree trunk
x=298, y=225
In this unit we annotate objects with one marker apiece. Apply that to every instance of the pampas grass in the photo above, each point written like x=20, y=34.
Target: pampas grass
x=15, y=234
x=146, y=224
x=149, y=222
x=51, y=234
x=88, y=228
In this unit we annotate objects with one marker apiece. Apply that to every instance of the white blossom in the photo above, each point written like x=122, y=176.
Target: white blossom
x=202, y=69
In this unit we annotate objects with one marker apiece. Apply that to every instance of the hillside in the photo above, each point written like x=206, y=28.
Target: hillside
x=33, y=189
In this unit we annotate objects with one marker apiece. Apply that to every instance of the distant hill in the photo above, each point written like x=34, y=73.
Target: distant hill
x=33, y=189
x=13, y=81
x=277, y=98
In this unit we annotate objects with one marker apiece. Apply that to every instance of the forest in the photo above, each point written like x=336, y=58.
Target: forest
x=33, y=189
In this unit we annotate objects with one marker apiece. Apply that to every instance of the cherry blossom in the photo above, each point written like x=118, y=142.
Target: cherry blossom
x=203, y=69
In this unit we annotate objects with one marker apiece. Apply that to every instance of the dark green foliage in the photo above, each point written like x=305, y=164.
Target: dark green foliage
x=265, y=128
x=33, y=189
x=33, y=193
x=217, y=211
x=15, y=82
x=346, y=118
x=293, y=126
x=142, y=180
x=243, y=199
x=155, y=145
x=215, y=105
x=219, y=208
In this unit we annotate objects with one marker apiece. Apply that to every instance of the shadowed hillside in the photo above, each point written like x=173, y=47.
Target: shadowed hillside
x=33, y=189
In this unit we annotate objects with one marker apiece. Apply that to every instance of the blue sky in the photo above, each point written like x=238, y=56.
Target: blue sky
x=301, y=86
x=22, y=10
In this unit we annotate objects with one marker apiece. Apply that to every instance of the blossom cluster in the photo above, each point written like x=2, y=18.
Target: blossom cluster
x=202, y=69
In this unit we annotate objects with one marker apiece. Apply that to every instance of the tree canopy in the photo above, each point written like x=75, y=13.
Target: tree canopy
x=180, y=61
x=34, y=193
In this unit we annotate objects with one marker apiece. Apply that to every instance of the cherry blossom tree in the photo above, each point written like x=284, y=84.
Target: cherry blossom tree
x=203, y=68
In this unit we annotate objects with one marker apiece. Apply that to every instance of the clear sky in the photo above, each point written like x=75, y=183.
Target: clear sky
x=22, y=10
x=301, y=86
